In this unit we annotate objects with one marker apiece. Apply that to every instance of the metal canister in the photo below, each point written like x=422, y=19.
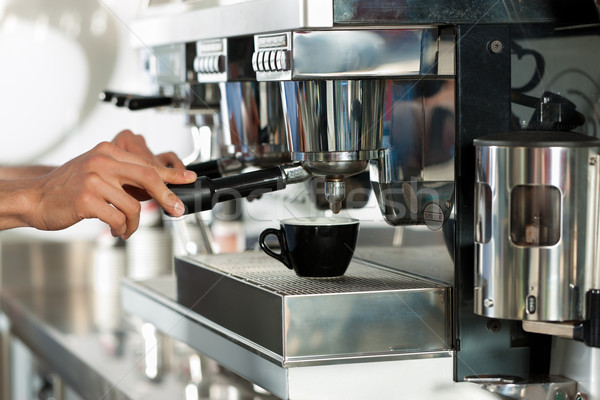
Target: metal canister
x=536, y=222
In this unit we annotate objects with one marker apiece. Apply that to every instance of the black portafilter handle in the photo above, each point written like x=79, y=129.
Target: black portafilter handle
x=203, y=194
x=133, y=101
x=145, y=102
x=210, y=169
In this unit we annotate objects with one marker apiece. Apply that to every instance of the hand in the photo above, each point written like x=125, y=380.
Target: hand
x=136, y=144
x=94, y=185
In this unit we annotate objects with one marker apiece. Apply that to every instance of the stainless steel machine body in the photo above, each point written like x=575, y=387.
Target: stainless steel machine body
x=536, y=220
x=252, y=118
x=333, y=85
x=404, y=88
x=322, y=319
x=283, y=332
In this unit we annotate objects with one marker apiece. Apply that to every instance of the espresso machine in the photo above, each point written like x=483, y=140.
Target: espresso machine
x=426, y=309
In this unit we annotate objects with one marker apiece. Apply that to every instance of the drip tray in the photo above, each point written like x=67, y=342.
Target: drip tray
x=370, y=313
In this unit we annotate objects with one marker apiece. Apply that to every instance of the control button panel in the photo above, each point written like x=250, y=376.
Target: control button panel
x=214, y=64
x=271, y=60
x=272, y=57
x=210, y=63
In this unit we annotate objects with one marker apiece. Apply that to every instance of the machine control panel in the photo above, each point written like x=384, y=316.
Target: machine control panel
x=210, y=63
x=224, y=60
x=272, y=58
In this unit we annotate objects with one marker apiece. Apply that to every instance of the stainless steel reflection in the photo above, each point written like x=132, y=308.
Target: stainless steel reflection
x=354, y=54
x=330, y=121
x=413, y=178
x=186, y=21
x=253, y=123
x=369, y=312
x=554, y=387
x=539, y=270
x=381, y=53
x=334, y=128
x=224, y=18
x=578, y=362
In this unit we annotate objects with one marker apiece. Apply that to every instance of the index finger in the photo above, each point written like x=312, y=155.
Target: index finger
x=170, y=159
x=151, y=181
x=168, y=175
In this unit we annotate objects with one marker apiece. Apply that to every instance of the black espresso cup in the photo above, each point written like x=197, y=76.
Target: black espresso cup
x=314, y=247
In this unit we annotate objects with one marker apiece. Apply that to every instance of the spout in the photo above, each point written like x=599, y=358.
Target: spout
x=335, y=192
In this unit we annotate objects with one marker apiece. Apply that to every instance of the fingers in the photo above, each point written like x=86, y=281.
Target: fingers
x=99, y=182
x=125, y=218
x=121, y=168
x=110, y=216
x=132, y=143
x=147, y=179
x=176, y=176
x=170, y=160
x=136, y=144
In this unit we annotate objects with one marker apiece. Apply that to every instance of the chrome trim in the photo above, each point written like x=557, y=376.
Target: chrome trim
x=197, y=20
x=354, y=54
x=291, y=310
x=336, y=156
x=253, y=123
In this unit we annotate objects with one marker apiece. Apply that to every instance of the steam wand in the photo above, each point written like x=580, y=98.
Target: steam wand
x=203, y=194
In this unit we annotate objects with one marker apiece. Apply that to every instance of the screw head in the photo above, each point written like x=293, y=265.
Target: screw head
x=496, y=46
x=494, y=325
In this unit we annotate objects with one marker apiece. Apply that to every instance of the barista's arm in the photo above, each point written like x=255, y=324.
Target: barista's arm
x=106, y=183
x=24, y=172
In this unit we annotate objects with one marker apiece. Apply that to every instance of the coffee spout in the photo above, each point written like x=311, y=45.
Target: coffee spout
x=335, y=192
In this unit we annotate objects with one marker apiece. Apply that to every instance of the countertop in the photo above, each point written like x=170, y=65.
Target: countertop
x=61, y=328
x=102, y=353
x=68, y=329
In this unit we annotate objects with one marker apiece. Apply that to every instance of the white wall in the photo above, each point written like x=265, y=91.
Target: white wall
x=56, y=56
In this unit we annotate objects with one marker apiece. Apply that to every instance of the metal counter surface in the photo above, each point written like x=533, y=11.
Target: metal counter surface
x=59, y=326
x=154, y=300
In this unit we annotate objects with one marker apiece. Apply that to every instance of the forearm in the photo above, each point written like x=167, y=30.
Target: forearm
x=17, y=202
x=24, y=172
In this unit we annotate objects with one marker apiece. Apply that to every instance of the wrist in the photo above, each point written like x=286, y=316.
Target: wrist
x=17, y=203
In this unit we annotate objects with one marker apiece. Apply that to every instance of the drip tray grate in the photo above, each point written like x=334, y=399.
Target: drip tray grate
x=257, y=269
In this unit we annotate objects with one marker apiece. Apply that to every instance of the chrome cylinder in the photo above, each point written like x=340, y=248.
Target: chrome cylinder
x=334, y=128
x=253, y=123
x=536, y=221
x=334, y=121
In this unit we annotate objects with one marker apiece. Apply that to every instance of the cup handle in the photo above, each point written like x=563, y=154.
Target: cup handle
x=278, y=256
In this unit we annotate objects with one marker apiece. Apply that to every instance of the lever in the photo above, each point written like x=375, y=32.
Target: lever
x=217, y=168
x=203, y=194
x=209, y=169
x=135, y=102
x=142, y=103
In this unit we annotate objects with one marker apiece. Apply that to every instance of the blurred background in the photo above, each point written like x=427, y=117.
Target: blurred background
x=57, y=57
